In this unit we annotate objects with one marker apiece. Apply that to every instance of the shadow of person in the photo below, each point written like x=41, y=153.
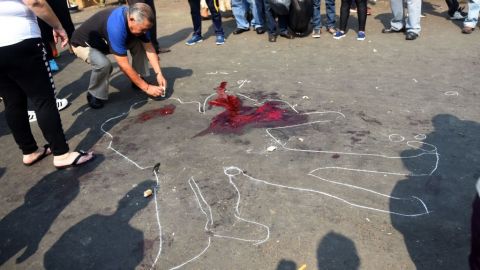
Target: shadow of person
x=228, y=26
x=96, y=120
x=24, y=227
x=77, y=87
x=286, y=265
x=429, y=8
x=171, y=74
x=336, y=251
x=440, y=239
x=4, y=129
x=177, y=37
x=384, y=18
x=2, y=171
x=103, y=242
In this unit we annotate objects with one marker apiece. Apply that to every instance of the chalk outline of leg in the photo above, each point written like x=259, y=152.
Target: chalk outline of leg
x=202, y=110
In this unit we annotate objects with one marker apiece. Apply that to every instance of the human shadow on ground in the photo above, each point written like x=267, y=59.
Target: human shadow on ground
x=74, y=89
x=440, y=239
x=103, y=241
x=4, y=129
x=286, y=265
x=336, y=251
x=172, y=39
x=115, y=110
x=228, y=26
x=431, y=9
x=24, y=227
x=2, y=171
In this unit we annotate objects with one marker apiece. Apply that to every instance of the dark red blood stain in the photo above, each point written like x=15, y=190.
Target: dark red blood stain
x=148, y=115
x=336, y=156
x=236, y=117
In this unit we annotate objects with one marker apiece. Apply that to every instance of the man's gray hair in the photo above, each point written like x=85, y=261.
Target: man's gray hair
x=140, y=12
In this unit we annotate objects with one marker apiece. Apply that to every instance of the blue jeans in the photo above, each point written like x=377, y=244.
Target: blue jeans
x=412, y=23
x=239, y=9
x=330, y=12
x=264, y=9
x=473, y=10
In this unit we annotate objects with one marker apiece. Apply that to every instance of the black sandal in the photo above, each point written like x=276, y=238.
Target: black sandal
x=42, y=156
x=75, y=162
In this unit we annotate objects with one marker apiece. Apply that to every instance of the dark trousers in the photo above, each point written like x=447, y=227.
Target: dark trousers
x=264, y=10
x=24, y=74
x=197, y=19
x=452, y=6
x=474, y=258
x=60, y=8
x=361, y=13
x=153, y=30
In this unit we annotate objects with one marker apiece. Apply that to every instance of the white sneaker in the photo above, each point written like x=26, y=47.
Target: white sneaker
x=62, y=103
x=457, y=16
x=32, y=117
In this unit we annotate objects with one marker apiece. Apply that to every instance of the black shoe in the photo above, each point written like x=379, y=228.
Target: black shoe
x=272, y=38
x=260, y=30
x=391, y=30
x=238, y=31
x=411, y=36
x=94, y=102
x=287, y=35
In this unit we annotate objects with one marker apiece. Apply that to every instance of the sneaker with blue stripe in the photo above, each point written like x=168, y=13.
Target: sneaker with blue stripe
x=194, y=40
x=220, y=40
x=339, y=35
x=361, y=35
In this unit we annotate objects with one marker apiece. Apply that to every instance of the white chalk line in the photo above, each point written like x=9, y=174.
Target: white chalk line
x=203, y=110
x=334, y=197
x=155, y=190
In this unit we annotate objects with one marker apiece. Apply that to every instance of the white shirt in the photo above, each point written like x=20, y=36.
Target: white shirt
x=17, y=22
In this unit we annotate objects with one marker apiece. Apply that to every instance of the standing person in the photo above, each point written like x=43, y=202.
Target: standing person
x=116, y=31
x=197, y=22
x=239, y=9
x=265, y=10
x=60, y=8
x=317, y=18
x=472, y=17
x=474, y=258
x=401, y=23
x=24, y=75
x=345, y=13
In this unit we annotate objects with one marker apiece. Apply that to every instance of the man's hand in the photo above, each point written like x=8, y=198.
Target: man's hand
x=60, y=33
x=154, y=91
x=162, y=83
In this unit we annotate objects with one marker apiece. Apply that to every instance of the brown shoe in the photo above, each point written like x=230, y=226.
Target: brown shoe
x=467, y=30
x=331, y=30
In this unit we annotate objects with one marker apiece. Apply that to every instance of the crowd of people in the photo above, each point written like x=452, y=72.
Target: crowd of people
x=269, y=16
x=27, y=52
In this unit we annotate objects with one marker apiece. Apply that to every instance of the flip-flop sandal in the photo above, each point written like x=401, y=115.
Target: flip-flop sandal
x=75, y=162
x=45, y=153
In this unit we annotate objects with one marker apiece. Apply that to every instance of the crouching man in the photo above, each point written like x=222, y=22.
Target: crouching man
x=116, y=31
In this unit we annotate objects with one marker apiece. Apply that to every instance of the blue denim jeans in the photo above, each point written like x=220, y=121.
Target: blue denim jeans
x=239, y=9
x=412, y=22
x=473, y=10
x=264, y=9
x=330, y=12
